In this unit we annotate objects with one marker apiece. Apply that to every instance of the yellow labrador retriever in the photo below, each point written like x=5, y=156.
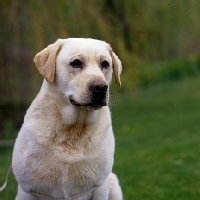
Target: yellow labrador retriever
x=65, y=147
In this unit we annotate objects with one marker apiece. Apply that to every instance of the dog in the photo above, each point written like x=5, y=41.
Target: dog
x=65, y=147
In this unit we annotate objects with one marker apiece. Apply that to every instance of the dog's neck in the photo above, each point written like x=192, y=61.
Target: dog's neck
x=71, y=124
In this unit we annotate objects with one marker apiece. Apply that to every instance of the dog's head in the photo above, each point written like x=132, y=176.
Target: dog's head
x=81, y=69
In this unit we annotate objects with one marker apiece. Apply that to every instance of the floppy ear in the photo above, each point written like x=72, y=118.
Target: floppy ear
x=45, y=61
x=117, y=67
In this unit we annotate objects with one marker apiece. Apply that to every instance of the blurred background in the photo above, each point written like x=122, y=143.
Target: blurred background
x=156, y=113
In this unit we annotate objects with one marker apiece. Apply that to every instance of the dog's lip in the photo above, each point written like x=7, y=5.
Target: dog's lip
x=92, y=105
x=74, y=103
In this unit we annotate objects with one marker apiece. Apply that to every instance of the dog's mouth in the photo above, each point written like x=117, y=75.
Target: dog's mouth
x=74, y=103
x=93, y=105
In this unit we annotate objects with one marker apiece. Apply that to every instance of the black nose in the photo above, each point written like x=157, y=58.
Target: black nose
x=98, y=87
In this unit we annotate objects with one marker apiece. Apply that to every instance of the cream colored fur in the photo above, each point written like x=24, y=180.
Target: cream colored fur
x=63, y=150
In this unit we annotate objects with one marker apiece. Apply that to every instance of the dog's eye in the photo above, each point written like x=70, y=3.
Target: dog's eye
x=104, y=64
x=76, y=64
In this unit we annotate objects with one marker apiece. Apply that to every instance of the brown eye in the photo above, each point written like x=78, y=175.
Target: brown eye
x=104, y=64
x=76, y=64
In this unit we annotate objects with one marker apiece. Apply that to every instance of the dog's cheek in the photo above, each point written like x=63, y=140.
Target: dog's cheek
x=62, y=82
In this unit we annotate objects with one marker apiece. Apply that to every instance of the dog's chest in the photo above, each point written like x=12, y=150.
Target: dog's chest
x=64, y=178
x=93, y=172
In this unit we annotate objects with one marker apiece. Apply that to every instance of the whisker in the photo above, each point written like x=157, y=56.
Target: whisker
x=113, y=98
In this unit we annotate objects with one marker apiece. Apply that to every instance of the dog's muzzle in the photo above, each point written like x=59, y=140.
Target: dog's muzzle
x=98, y=95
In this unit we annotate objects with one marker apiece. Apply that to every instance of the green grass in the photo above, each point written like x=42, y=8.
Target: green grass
x=158, y=141
x=157, y=132
x=5, y=159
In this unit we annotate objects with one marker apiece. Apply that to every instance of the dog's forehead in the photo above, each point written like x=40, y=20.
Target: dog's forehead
x=73, y=46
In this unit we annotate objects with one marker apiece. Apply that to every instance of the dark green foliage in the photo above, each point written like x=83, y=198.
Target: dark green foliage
x=139, y=31
x=162, y=71
x=11, y=119
x=9, y=130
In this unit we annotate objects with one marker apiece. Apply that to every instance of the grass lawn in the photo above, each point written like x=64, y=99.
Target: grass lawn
x=157, y=132
x=158, y=141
